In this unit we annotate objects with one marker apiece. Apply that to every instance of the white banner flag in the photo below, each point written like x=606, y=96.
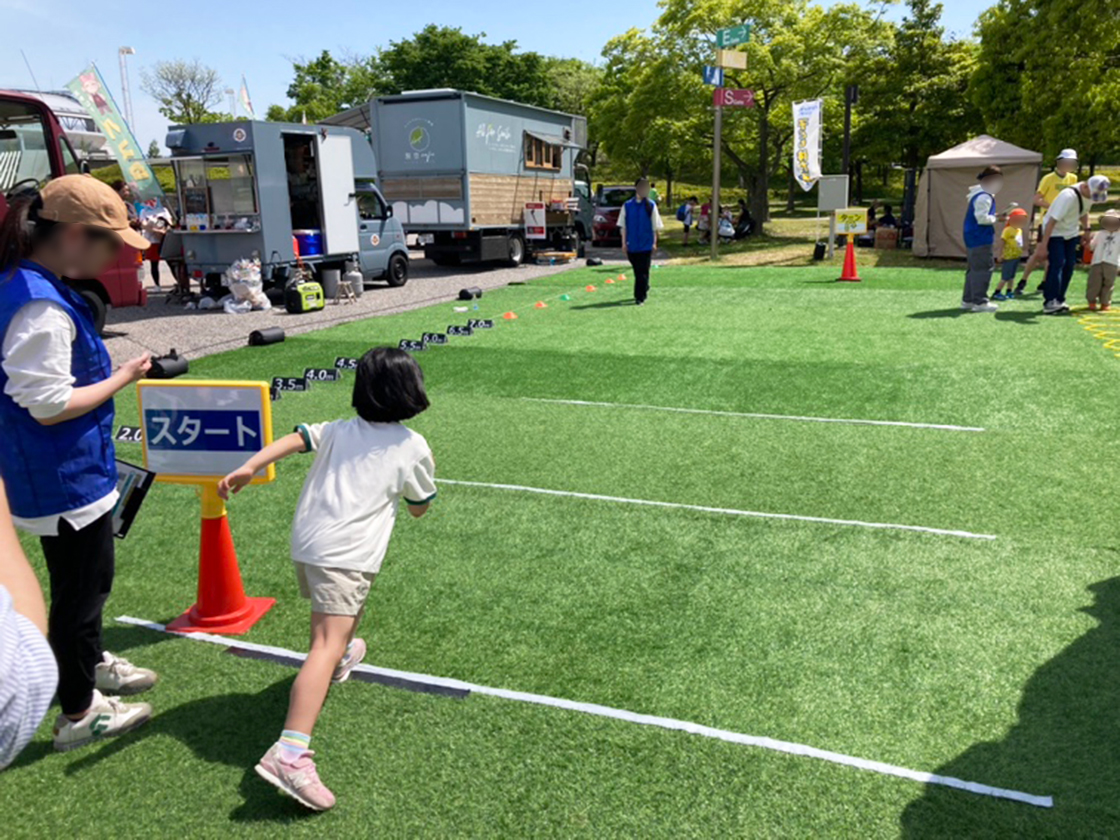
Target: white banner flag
x=807, y=142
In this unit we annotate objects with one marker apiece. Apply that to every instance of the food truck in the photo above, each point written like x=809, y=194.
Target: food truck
x=476, y=178
x=34, y=149
x=286, y=194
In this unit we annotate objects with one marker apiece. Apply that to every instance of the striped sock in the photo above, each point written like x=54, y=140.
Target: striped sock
x=292, y=745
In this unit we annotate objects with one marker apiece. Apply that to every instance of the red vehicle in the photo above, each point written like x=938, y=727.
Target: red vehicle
x=608, y=204
x=34, y=149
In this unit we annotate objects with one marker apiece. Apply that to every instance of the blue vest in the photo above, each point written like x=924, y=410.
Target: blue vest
x=55, y=469
x=976, y=234
x=639, y=225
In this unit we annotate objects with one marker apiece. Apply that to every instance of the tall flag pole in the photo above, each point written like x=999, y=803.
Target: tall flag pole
x=246, y=102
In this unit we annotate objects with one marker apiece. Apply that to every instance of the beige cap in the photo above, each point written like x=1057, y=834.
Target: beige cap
x=83, y=200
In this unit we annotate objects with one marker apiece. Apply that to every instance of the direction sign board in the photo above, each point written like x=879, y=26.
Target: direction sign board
x=851, y=220
x=733, y=98
x=197, y=431
x=731, y=59
x=733, y=35
x=713, y=75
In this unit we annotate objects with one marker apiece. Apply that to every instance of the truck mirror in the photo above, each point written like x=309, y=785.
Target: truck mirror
x=83, y=167
x=388, y=211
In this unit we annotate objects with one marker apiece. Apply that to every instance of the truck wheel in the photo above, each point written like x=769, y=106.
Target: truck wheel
x=516, y=250
x=397, y=272
x=97, y=307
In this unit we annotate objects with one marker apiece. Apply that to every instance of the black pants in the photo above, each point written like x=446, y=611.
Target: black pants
x=639, y=261
x=80, y=564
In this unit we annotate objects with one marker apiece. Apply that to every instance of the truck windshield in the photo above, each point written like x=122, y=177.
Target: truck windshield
x=23, y=145
x=616, y=196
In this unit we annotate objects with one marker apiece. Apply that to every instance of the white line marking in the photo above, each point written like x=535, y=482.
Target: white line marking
x=943, y=532
x=942, y=426
x=641, y=719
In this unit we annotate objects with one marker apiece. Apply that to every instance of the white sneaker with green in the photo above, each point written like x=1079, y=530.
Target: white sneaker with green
x=106, y=718
x=116, y=675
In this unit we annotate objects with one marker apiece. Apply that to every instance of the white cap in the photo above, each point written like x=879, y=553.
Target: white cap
x=1098, y=188
x=1067, y=154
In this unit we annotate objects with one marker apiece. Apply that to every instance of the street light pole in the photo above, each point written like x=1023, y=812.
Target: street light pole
x=126, y=93
x=232, y=106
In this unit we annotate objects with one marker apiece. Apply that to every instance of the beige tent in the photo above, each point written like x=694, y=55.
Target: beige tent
x=942, y=190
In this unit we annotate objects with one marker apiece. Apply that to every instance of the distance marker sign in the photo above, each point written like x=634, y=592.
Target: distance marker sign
x=197, y=431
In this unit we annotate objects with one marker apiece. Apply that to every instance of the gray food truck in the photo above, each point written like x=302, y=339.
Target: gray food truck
x=478, y=178
x=282, y=192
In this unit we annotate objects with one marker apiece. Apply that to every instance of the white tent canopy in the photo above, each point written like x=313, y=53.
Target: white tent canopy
x=943, y=188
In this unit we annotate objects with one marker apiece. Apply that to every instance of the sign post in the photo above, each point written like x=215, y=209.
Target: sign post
x=735, y=60
x=196, y=432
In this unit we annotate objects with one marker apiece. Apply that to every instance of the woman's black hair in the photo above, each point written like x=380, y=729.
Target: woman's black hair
x=22, y=230
x=389, y=386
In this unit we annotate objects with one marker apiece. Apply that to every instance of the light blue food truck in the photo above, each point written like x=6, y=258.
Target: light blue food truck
x=476, y=178
x=282, y=193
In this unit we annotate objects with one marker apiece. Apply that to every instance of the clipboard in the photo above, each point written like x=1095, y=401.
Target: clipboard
x=133, y=483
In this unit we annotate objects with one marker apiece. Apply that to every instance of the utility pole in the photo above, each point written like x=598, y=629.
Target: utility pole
x=126, y=93
x=232, y=105
x=713, y=217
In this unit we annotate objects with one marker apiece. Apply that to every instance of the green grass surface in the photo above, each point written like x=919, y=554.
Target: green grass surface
x=990, y=661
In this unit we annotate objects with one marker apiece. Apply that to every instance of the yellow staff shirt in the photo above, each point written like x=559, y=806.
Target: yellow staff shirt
x=1052, y=183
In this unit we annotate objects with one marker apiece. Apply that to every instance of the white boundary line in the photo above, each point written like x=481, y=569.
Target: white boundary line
x=946, y=427
x=943, y=532
x=641, y=719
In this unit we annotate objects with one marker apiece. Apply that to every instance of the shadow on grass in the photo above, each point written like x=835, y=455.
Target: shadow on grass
x=955, y=312
x=1020, y=317
x=233, y=729
x=1066, y=744
x=606, y=304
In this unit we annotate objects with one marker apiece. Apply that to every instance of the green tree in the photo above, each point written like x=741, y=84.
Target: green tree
x=186, y=91
x=914, y=97
x=323, y=86
x=1048, y=75
x=154, y=150
x=572, y=81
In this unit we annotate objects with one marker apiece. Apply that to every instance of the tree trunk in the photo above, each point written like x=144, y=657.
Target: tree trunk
x=858, y=198
x=760, y=192
x=791, y=194
x=668, y=185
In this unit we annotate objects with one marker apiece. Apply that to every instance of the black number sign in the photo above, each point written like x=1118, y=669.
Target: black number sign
x=322, y=374
x=131, y=434
x=434, y=338
x=476, y=324
x=290, y=383
x=411, y=346
x=454, y=330
x=346, y=363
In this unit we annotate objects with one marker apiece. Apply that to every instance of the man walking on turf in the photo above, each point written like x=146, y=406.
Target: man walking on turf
x=1063, y=226
x=979, y=236
x=639, y=222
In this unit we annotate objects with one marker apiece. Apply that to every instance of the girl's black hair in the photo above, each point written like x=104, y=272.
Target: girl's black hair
x=389, y=386
x=22, y=230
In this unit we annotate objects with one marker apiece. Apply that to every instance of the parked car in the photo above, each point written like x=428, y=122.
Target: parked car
x=608, y=204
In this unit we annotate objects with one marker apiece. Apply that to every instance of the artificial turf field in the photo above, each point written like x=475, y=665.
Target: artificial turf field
x=989, y=660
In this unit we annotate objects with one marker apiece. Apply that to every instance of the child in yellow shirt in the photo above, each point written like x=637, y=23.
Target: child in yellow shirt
x=1012, y=238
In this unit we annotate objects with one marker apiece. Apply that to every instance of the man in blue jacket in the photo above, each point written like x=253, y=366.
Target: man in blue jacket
x=639, y=222
x=979, y=237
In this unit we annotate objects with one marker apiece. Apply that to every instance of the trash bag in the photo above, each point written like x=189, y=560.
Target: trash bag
x=246, y=288
x=237, y=307
x=207, y=303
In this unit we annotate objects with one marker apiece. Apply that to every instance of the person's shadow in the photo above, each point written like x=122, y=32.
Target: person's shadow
x=1066, y=744
x=233, y=729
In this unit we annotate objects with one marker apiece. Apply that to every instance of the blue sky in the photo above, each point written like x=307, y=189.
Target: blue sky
x=258, y=38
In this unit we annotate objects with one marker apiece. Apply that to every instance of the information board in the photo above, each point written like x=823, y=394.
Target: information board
x=197, y=431
x=851, y=220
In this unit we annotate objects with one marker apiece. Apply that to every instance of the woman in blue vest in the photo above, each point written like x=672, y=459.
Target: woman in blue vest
x=979, y=237
x=56, y=450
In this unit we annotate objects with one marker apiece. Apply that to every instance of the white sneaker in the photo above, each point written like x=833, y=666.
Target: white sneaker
x=1051, y=307
x=116, y=675
x=965, y=305
x=984, y=307
x=106, y=718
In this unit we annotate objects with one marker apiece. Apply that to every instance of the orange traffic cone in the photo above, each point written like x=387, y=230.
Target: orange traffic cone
x=622, y=278
x=849, y=274
x=222, y=606
x=510, y=316
x=540, y=304
x=609, y=280
x=589, y=288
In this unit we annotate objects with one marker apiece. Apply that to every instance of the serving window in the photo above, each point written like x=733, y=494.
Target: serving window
x=218, y=193
x=540, y=154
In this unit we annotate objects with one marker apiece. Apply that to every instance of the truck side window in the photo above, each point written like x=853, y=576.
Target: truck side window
x=23, y=145
x=69, y=159
x=370, y=206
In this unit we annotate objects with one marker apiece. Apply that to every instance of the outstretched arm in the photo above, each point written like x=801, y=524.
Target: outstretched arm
x=290, y=444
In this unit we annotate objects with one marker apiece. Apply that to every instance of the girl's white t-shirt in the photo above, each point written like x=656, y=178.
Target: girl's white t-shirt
x=349, y=501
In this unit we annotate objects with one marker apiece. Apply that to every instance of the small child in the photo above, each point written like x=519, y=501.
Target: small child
x=1012, y=237
x=1105, y=246
x=363, y=467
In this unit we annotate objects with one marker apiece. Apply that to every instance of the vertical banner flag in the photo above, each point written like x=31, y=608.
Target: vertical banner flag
x=90, y=89
x=807, y=142
x=246, y=102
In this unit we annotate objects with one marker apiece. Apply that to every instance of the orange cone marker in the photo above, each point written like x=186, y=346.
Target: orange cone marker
x=540, y=304
x=222, y=606
x=590, y=289
x=609, y=280
x=849, y=274
x=510, y=316
x=622, y=278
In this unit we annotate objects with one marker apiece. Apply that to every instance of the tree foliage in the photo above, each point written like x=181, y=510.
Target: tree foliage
x=1048, y=75
x=324, y=86
x=187, y=91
